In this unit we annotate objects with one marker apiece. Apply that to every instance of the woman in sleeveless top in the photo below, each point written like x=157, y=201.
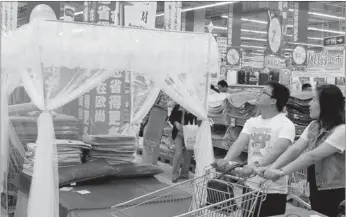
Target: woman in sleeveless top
x=320, y=149
x=178, y=118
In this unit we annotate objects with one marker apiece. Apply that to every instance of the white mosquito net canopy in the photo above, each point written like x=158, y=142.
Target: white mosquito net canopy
x=178, y=63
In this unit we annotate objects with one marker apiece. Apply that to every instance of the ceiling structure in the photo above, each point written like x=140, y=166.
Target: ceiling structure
x=325, y=19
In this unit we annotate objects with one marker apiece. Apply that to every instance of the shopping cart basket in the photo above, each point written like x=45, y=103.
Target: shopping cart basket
x=197, y=197
x=298, y=188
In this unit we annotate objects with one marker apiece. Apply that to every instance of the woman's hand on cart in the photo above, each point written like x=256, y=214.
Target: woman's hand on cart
x=273, y=174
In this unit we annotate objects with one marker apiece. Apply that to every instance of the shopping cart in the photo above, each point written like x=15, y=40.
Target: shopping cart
x=298, y=188
x=197, y=197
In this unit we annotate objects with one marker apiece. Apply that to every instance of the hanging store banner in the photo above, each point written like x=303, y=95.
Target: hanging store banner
x=229, y=24
x=234, y=24
x=300, y=21
x=222, y=46
x=107, y=109
x=172, y=15
x=141, y=15
x=69, y=11
x=326, y=63
x=9, y=14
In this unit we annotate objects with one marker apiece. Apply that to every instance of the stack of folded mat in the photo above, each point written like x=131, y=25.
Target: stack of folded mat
x=240, y=106
x=113, y=149
x=25, y=125
x=298, y=110
x=70, y=153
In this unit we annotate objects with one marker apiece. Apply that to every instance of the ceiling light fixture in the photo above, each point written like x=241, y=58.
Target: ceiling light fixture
x=253, y=39
x=252, y=46
x=201, y=7
x=253, y=31
x=306, y=44
x=321, y=14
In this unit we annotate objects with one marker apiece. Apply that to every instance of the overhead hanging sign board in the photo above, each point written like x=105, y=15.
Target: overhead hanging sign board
x=275, y=34
x=140, y=15
x=334, y=41
x=330, y=62
x=172, y=15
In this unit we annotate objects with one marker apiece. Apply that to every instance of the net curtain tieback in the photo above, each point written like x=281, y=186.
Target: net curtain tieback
x=44, y=191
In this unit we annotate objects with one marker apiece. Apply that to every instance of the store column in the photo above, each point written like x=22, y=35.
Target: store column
x=300, y=37
x=234, y=52
x=195, y=21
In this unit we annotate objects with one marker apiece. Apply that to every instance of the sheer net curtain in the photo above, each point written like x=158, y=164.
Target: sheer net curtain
x=86, y=55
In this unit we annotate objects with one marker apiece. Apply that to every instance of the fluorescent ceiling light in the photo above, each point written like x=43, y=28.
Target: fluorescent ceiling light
x=326, y=30
x=321, y=15
x=327, y=15
x=252, y=46
x=201, y=7
x=313, y=38
x=306, y=44
x=253, y=31
x=253, y=39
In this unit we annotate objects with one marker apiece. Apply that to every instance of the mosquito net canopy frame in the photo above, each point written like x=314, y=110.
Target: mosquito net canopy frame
x=178, y=63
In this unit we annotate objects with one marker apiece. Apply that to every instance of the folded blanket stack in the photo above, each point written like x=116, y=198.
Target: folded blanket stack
x=298, y=110
x=216, y=103
x=70, y=152
x=25, y=125
x=240, y=107
x=115, y=150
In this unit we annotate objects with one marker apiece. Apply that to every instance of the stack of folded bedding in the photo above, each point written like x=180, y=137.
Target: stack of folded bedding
x=25, y=125
x=115, y=150
x=70, y=153
x=298, y=110
x=216, y=105
x=240, y=107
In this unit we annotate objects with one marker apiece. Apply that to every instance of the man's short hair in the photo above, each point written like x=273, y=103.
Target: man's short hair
x=222, y=83
x=281, y=93
x=306, y=86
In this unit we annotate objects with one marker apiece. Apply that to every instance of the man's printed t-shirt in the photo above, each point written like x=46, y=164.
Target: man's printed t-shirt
x=263, y=135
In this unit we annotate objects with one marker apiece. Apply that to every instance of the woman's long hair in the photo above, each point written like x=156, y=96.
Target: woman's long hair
x=332, y=106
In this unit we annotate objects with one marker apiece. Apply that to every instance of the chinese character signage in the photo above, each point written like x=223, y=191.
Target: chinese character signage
x=334, y=41
x=140, y=15
x=9, y=13
x=172, y=15
x=229, y=24
x=107, y=108
x=330, y=62
x=274, y=62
